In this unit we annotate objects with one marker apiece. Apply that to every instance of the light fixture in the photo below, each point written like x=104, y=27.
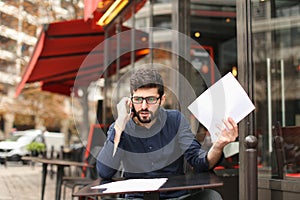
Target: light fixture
x=143, y=52
x=197, y=34
x=112, y=12
x=144, y=39
x=234, y=71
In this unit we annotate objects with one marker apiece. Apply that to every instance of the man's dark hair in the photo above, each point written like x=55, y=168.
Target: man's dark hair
x=146, y=78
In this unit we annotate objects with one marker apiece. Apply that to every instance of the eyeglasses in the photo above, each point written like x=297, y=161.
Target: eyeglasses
x=149, y=100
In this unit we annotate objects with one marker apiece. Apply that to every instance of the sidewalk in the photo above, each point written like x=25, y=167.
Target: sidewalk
x=23, y=182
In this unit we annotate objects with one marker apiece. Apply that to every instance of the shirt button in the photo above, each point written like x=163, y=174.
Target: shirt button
x=150, y=147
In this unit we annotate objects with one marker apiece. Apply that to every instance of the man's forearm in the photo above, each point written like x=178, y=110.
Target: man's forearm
x=214, y=155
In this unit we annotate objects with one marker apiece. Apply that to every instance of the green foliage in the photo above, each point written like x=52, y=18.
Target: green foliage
x=36, y=146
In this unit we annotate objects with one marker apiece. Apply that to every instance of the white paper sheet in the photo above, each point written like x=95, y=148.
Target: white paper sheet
x=226, y=98
x=132, y=185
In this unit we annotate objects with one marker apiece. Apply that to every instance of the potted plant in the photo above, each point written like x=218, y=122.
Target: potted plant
x=36, y=148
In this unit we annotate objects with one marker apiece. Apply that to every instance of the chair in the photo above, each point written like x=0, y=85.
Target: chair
x=96, y=140
x=87, y=176
x=286, y=141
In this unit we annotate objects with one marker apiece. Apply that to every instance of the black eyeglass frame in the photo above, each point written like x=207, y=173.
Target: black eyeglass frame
x=146, y=99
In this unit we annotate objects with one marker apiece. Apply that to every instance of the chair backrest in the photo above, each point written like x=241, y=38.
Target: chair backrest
x=291, y=134
x=287, y=147
x=92, y=160
x=279, y=149
x=96, y=140
x=97, y=137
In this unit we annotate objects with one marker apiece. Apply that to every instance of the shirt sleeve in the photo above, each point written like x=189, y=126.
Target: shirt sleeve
x=191, y=148
x=107, y=164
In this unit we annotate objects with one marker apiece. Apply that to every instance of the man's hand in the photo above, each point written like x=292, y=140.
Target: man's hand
x=123, y=108
x=227, y=135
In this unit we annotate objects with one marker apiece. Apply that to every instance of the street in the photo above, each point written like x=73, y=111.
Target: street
x=23, y=182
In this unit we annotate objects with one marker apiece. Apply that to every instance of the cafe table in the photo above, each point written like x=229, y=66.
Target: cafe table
x=174, y=183
x=61, y=164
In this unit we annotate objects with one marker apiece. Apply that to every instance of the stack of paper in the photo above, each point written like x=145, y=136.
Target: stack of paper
x=132, y=185
x=226, y=98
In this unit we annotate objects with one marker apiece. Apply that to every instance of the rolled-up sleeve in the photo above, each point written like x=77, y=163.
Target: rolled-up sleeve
x=193, y=153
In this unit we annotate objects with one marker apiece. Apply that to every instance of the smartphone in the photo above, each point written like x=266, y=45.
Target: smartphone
x=128, y=107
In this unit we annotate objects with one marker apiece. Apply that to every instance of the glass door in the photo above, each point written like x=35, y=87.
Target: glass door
x=276, y=68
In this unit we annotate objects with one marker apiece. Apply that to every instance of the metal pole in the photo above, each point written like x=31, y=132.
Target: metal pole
x=269, y=103
x=282, y=91
x=251, y=155
x=106, y=62
x=151, y=42
x=118, y=61
x=132, y=61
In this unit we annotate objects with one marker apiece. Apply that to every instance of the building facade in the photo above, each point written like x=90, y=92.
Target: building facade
x=20, y=23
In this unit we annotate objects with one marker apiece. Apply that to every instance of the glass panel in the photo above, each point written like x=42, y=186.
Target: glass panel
x=151, y=19
x=213, y=26
x=132, y=35
x=207, y=21
x=162, y=21
x=276, y=65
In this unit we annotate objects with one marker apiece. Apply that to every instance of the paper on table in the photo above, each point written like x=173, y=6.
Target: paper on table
x=132, y=185
x=226, y=98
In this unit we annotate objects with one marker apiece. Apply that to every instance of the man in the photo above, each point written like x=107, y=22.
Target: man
x=151, y=141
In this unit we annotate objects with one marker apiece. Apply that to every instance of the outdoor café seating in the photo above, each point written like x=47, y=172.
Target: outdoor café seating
x=85, y=176
x=89, y=154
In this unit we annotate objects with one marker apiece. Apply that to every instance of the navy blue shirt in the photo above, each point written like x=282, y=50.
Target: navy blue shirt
x=155, y=152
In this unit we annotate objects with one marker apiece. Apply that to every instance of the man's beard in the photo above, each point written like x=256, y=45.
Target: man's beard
x=145, y=120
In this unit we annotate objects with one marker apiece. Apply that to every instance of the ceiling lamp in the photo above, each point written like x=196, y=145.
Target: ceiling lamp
x=112, y=12
x=197, y=34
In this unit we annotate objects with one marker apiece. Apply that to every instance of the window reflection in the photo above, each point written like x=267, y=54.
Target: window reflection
x=276, y=59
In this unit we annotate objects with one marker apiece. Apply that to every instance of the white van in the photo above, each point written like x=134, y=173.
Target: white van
x=15, y=147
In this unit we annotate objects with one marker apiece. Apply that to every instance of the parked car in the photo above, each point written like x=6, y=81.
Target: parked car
x=15, y=147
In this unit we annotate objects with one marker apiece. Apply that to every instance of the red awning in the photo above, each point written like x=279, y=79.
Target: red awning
x=71, y=52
